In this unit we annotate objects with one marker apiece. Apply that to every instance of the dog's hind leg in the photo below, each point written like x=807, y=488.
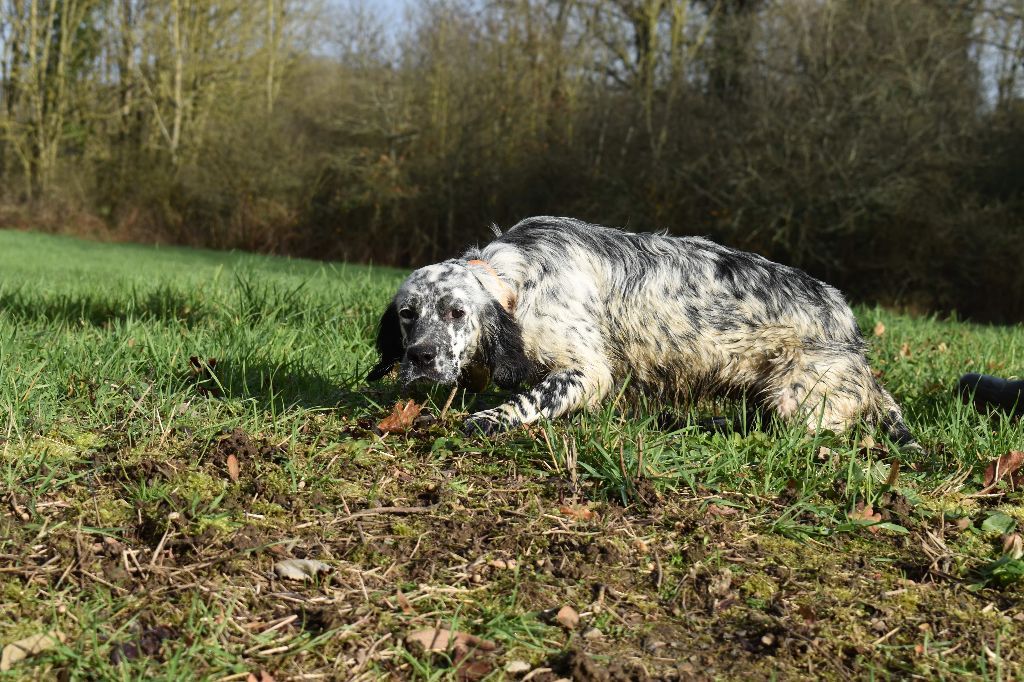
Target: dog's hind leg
x=832, y=391
x=827, y=390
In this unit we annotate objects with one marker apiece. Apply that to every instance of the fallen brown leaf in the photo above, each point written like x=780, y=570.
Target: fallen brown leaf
x=1007, y=466
x=905, y=350
x=401, y=418
x=438, y=640
x=474, y=670
x=879, y=328
x=29, y=646
x=721, y=510
x=233, y=468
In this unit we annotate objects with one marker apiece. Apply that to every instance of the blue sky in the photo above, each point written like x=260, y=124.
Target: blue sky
x=393, y=7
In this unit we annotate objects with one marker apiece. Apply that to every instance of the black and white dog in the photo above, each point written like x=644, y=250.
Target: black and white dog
x=580, y=311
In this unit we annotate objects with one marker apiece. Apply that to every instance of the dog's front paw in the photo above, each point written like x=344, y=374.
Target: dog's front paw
x=487, y=423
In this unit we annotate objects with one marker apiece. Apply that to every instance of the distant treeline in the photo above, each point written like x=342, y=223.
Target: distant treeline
x=877, y=144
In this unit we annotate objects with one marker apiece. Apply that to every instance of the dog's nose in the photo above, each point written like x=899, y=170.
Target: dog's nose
x=421, y=355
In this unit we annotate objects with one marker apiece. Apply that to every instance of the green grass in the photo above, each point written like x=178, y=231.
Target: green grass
x=733, y=556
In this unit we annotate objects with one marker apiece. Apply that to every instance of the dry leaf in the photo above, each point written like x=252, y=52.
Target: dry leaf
x=429, y=640
x=943, y=347
x=867, y=442
x=894, y=473
x=1006, y=466
x=474, y=670
x=721, y=510
x=905, y=350
x=300, y=569
x=963, y=523
x=233, y=469
x=578, y=513
x=879, y=328
x=567, y=617
x=438, y=640
x=867, y=514
x=1013, y=546
x=401, y=418
x=30, y=646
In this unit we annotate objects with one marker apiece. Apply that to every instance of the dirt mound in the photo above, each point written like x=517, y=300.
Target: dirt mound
x=578, y=666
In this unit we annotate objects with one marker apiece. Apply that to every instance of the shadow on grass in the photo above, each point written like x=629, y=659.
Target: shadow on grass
x=279, y=388
x=163, y=303
x=245, y=299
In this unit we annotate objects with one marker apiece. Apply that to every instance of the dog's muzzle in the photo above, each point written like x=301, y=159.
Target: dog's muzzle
x=421, y=363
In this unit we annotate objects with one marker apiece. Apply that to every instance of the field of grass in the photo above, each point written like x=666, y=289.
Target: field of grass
x=175, y=423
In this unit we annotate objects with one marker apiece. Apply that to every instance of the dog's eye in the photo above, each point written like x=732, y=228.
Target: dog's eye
x=458, y=314
x=407, y=314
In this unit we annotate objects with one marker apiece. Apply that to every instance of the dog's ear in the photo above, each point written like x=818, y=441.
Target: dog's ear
x=389, y=343
x=502, y=346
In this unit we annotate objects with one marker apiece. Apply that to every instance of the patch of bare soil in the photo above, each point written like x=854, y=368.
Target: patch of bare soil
x=683, y=588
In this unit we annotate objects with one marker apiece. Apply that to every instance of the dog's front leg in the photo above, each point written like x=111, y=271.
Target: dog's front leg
x=559, y=393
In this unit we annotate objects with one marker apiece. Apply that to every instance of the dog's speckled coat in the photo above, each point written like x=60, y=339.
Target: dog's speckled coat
x=582, y=310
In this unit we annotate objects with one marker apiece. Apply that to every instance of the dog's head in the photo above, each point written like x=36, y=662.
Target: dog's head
x=446, y=317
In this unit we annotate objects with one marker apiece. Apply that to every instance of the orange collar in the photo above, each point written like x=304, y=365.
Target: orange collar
x=498, y=287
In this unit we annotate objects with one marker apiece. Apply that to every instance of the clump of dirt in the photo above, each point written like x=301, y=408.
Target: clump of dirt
x=574, y=558
x=645, y=494
x=576, y=665
x=244, y=447
x=147, y=644
x=231, y=451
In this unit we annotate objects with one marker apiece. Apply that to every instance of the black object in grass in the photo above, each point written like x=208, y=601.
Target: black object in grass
x=989, y=392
